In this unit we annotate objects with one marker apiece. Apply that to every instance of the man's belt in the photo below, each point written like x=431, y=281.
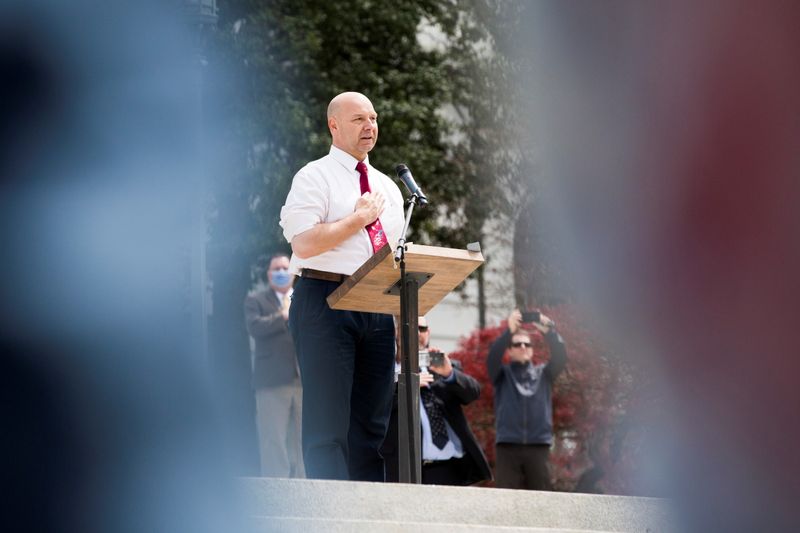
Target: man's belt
x=321, y=274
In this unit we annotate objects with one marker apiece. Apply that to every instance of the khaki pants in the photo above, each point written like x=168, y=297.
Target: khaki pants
x=279, y=419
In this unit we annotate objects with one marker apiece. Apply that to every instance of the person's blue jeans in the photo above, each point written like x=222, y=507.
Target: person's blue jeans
x=346, y=363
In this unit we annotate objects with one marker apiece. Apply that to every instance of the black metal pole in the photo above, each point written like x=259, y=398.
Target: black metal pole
x=409, y=437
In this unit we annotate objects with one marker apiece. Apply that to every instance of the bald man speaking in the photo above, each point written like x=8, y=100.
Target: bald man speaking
x=339, y=211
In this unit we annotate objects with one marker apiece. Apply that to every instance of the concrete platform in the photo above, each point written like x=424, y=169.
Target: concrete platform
x=293, y=505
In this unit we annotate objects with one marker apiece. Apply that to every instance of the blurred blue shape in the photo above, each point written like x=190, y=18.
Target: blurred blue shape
x=109, y=421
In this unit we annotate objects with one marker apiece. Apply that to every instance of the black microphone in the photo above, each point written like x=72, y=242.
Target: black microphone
x=404, y=174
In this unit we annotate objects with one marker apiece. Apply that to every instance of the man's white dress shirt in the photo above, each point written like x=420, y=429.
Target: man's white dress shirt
x=326, y=190
x=430, y=452
x=454, y=448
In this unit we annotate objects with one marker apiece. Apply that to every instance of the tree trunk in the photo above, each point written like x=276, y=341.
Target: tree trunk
x=481, y=300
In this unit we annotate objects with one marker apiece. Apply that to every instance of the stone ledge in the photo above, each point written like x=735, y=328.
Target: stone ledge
x=321, y=525
x=468, y=506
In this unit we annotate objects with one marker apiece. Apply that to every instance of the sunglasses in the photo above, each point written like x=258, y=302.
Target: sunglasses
x=521, y=344
x=423, y=329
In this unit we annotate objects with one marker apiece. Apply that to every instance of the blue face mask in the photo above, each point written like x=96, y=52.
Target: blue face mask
x=280, y=278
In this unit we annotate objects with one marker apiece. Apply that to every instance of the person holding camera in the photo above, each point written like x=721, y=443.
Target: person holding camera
x=523, y=404
x=451, y=454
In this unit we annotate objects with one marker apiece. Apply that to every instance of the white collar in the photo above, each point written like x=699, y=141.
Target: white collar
x=345, y=159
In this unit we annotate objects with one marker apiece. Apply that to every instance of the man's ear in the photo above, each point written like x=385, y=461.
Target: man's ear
x=332, y=124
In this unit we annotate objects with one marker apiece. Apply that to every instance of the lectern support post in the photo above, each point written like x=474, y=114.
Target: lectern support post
x=410, y=458
x=408, y=434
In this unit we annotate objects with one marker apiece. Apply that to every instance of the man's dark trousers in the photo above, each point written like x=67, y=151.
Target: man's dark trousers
x=346, y=363
x=522, y=466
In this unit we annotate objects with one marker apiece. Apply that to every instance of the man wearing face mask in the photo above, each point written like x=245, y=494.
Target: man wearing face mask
x=276, y=378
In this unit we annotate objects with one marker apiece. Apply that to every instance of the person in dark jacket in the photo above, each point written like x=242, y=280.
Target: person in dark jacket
x=451, y=454
x=523, y=404
x=276, y=377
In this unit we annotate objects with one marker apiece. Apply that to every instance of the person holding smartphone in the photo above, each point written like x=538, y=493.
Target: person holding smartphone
x=451, y=454
x=523, y=405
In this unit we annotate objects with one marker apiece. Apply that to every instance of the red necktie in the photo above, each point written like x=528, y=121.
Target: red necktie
x=376, y=235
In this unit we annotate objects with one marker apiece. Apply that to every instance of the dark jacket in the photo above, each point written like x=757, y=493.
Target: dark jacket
x=521, y=418
x=463, y=391
x=275, y=360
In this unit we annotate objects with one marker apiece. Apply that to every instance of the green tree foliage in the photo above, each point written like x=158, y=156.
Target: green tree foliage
x=294, y=56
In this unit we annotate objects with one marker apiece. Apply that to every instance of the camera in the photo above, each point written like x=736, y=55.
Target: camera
x=436, y=358
x=531, y=316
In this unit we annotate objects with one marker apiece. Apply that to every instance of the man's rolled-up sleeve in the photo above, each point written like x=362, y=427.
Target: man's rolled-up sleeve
x=306, y=205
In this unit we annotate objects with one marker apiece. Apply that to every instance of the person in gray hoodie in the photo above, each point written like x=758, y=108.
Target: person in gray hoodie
x=523, y=404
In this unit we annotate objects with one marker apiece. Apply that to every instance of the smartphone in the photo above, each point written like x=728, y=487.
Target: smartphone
x=424, y=358
x=531, y=316
x=437, y=358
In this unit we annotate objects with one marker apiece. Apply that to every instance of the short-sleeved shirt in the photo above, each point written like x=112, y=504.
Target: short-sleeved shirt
x=326, y=190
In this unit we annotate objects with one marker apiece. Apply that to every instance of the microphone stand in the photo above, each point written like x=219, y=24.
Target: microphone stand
x=409, y=436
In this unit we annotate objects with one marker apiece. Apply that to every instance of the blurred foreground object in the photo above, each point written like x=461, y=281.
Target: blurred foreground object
x=669, y=137
x=108, y=421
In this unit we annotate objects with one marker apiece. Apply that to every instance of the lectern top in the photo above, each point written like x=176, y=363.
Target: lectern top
x=439, y=271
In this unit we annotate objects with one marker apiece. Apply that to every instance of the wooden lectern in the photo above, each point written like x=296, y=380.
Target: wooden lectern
x=431, y=273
